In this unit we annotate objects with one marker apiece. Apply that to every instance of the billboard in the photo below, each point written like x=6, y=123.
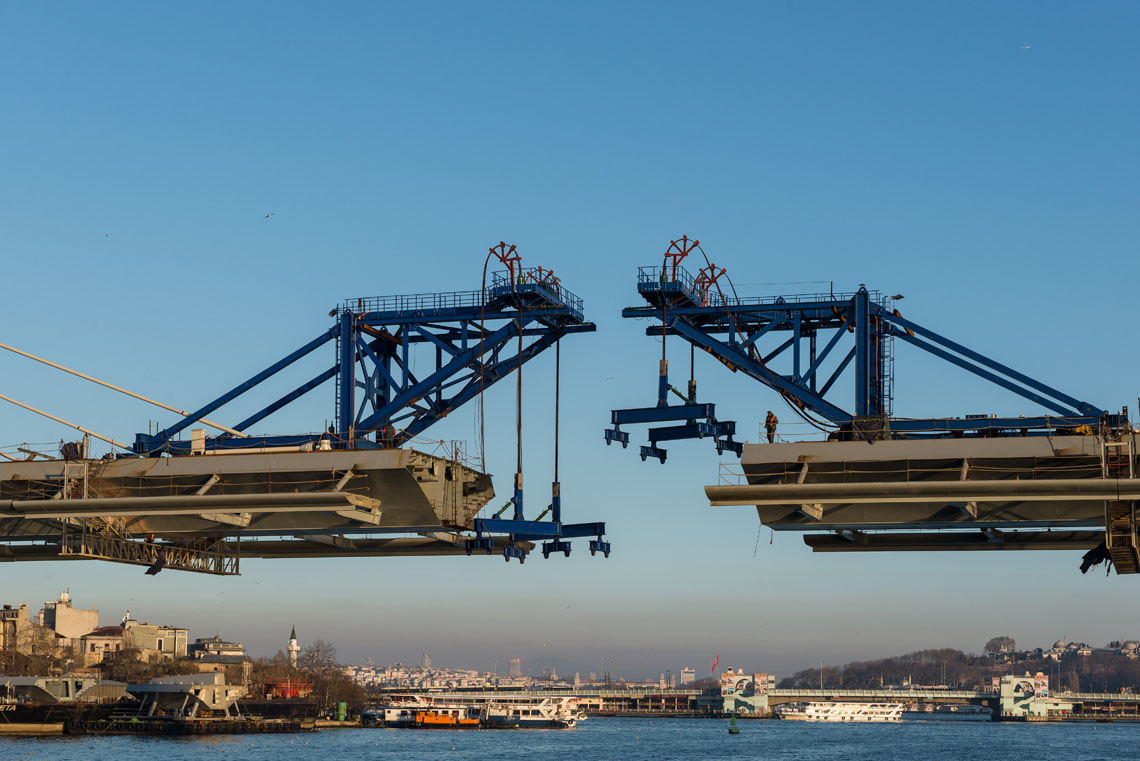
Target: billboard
x=727, y=683
x=760, y=684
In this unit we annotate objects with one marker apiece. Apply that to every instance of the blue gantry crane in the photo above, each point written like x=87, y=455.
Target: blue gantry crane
x=826, y=335
x=474, y=339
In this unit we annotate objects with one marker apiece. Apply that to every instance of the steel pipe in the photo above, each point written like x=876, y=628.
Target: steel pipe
x=1066, y=489
x=190, y=504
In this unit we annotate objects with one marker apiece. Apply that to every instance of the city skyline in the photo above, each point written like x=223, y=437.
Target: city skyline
x=535, y=665
x=196, y=186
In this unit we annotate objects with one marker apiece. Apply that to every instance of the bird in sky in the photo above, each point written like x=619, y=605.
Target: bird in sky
x=1025, y=47
x=270, y=214
x=108, y=235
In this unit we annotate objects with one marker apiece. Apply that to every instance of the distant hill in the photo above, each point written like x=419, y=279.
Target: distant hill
x=1095, y=672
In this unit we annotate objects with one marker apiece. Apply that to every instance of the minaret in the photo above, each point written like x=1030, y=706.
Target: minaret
x=293, y=648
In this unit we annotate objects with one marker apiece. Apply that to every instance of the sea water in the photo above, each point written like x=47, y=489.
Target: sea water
x=622, y=740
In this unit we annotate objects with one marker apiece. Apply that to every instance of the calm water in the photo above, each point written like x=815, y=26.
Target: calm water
x=627, y=740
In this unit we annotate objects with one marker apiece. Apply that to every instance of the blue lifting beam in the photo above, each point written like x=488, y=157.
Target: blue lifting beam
x=472, y=339
x=674, y=287
x=808, y=332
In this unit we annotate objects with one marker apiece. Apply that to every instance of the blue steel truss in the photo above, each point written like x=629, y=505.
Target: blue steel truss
x=472, y=339
x=747, y=334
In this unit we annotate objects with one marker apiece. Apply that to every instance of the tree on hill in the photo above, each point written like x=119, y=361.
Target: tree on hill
x=127, y=665
x=708, y=683
x=1002, y=644
x=330, y=684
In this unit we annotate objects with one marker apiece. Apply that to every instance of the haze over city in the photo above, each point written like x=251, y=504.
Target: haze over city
x=188, y=191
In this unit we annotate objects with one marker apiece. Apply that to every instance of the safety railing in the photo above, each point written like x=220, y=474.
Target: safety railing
x=533, y=280
x=537, y=280
x=655, y=277
x=414, y=302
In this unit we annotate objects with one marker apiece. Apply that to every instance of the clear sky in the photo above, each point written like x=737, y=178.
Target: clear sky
x=980, y=158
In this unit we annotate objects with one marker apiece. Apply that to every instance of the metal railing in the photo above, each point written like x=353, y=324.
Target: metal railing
x=535, y=280
x=656, y=275
x=659, y=277
x=526, y=281
x=406, y=302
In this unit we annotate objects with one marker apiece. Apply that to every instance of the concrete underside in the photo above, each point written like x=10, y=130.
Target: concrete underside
x=289, y=504
x=946, y=494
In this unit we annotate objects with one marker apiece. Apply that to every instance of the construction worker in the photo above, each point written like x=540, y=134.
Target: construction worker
x=770, y=424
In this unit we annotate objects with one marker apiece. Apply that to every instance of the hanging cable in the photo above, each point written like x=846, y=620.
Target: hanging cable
x=482, y=350
x=557, y=394
x=556, y=487
x=519, y=390
x=508, y=258
x=820, y=425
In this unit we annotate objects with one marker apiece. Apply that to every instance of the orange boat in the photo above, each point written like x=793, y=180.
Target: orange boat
x=434, y=720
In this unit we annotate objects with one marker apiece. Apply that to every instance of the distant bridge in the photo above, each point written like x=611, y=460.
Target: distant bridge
x=1018, y=699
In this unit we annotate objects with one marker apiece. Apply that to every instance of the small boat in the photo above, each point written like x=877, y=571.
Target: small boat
x=498, y=716
x=420, y=716
x=840, y=711
x=490, y=711
x=444, y=720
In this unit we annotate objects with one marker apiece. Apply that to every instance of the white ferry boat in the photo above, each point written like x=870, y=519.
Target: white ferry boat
x=491, y=710
x=837, y=711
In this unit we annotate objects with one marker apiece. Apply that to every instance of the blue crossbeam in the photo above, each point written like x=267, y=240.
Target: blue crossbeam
x=687, y=431
x=662, y=414
x=509, y=526
x=1042, y=425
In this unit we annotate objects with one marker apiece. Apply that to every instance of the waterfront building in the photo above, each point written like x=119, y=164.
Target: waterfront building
x=155, y=642
x=688, y=675
x=97, y=644
x=19, y=634
x=204, y=646
x=13, y=623
x=69, y=622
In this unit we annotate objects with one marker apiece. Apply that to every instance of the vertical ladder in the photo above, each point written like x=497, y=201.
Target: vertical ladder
x=1117, y=461
x=336, y=385
x=887, y=374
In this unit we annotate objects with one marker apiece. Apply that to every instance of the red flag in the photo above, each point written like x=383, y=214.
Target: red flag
x=715, y=661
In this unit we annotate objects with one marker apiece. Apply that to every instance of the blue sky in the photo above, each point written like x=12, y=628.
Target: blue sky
x=979, y=158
